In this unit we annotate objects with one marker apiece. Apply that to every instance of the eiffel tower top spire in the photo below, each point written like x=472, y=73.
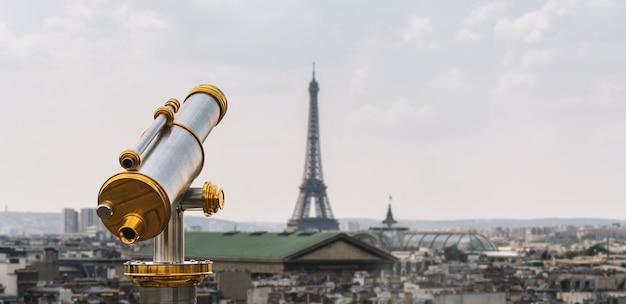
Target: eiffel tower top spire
x=313, y=87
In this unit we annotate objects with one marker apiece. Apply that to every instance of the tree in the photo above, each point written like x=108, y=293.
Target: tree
x=594, y=250
x=571, y=254
x=453, y=253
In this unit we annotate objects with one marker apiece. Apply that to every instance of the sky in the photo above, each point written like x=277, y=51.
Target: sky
x=455, y=109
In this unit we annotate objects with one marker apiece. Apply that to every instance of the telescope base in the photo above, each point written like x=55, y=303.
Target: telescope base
x=168, y=283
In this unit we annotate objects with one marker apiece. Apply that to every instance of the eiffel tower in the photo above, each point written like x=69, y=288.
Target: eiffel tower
x=312, y=189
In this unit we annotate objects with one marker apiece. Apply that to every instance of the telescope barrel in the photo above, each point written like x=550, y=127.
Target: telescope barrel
x=137, y=204
x=178, y=155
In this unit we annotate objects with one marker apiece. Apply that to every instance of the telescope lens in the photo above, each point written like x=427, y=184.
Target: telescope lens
x=128, y=235
x=127, y=163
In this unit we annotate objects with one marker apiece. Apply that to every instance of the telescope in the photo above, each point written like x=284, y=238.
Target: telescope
x=148, y=197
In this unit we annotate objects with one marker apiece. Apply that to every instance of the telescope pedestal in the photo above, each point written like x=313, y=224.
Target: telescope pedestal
x=167, y=283
x=168, y=295
x=173, y=280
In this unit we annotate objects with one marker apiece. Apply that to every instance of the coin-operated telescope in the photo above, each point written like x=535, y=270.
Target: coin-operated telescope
x=147, y=199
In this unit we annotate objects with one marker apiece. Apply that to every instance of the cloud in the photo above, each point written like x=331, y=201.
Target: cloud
x=417, y=32
x=55, y=23
x=531, y=27
x=397, y=112
x=5, y=35
x=608, y=92
x=471, y=27
x=357, y=84
x=83, y=9
x=455, y=78
x=30, y=49
x=510, y=81
x=543, y=24
x=467, y=35
x=144, y=20
x=478, y=15
x=77, y=16
x=85, y=76
x=603, y=4
x=538, y=57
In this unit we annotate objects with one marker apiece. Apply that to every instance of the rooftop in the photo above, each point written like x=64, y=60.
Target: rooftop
x=248, y=244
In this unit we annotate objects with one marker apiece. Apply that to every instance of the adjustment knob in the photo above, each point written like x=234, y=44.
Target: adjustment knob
x=212, y=198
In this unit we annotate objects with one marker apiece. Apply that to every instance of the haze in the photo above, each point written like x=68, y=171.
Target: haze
x=458, y=109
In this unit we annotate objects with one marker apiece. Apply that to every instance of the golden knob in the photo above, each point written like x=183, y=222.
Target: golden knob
x=212, y=198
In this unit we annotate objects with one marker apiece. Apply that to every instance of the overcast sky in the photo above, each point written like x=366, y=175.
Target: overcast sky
x=457, y=109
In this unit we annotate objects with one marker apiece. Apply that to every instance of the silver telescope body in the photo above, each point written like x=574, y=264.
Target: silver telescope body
x=137, y=203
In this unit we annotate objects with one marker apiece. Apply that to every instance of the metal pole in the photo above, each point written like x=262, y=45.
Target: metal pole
x=169, y=246
x=168, y=295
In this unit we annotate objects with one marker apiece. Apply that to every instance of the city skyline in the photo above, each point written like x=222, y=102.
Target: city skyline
x=40, y=223
x=479, y=109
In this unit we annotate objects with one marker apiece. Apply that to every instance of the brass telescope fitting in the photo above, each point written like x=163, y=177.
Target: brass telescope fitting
x=151, y=274
x=216, y=93
x=128, y=201
x=174, y=103
x=130, y=160
x=132, y=228
x=212, y=199
x=209, y=199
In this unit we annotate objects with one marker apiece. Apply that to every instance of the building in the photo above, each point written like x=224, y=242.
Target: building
x=87, y=219
x=10, y=260
x=240, y=257
x=354, y=226
x=469, y=242
x=275, y=253
x=391, y=235
x=69, y=220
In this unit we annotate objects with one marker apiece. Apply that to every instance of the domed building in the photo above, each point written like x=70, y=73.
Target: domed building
x=465, y=241
x=391, y=237
x=412, y=240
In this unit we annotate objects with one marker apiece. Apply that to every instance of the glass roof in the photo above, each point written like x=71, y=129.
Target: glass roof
x=466, y=241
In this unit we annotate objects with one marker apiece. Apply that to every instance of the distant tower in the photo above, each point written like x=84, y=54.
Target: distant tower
x=313, y=189
x=86, y=218
x=389, y=221
x=89, y=218
x=391, y=235
x=70, y=220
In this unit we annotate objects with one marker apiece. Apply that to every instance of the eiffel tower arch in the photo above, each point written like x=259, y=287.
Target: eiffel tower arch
x=312, y=195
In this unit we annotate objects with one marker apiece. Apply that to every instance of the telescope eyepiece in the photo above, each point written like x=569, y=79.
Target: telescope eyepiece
x=127, y=163
x=128, y=235
x=132, y=230
x=130, y=160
